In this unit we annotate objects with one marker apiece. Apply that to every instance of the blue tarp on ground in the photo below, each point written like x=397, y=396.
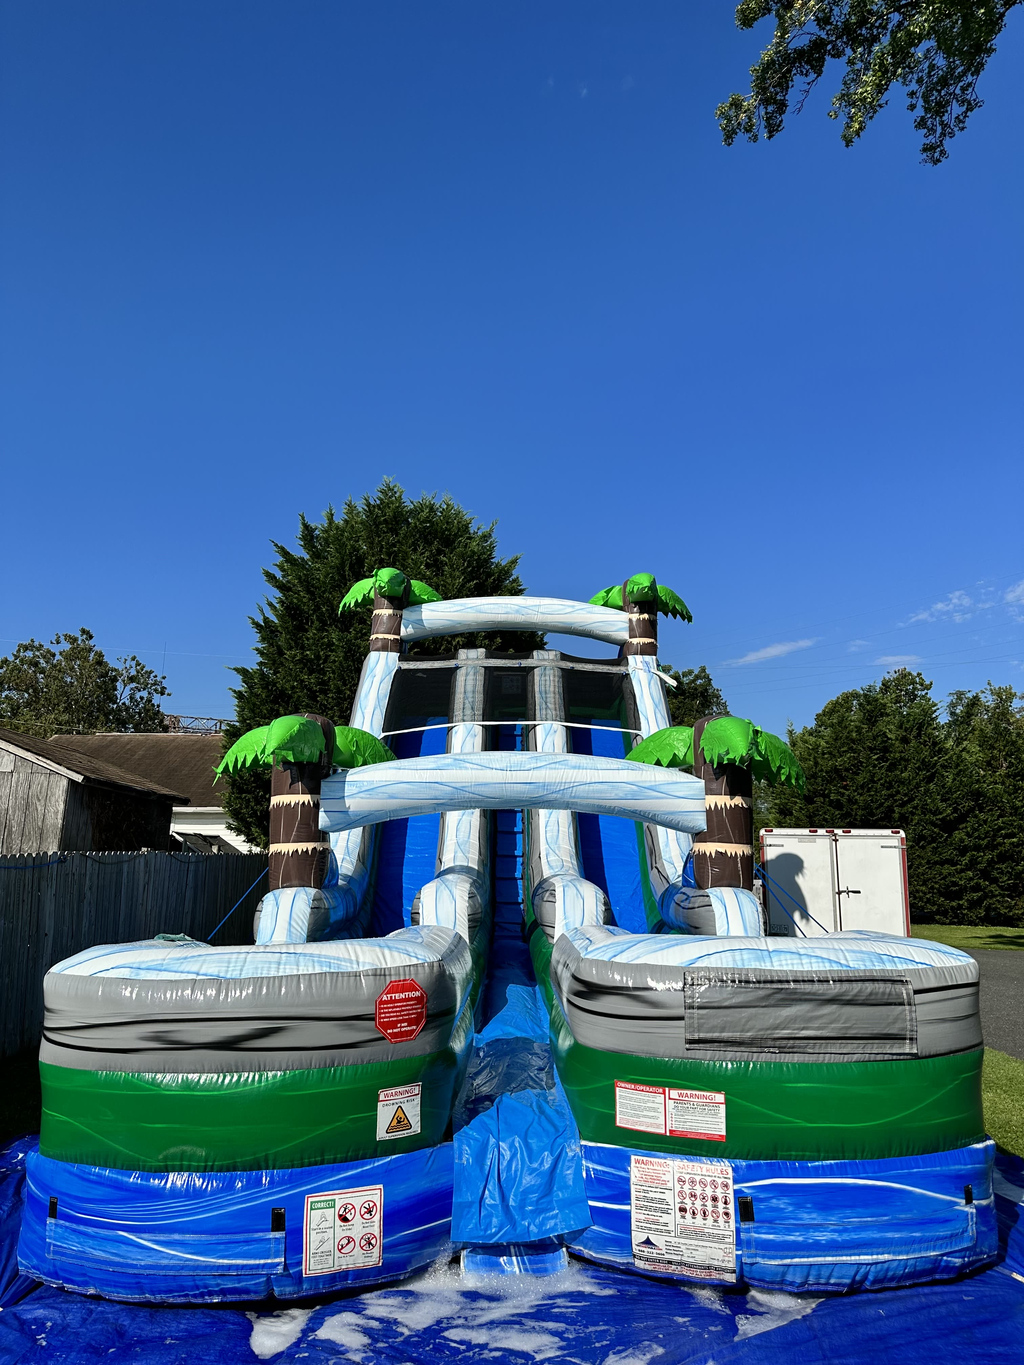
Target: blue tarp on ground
x=588, y=1316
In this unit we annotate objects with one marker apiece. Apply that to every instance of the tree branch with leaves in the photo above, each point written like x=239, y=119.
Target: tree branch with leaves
x=935, y=49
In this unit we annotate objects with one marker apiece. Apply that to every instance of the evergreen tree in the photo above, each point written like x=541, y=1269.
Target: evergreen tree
x=70, y=687
x=986, y=731
x=878, y=757
x=309, y=657
x=694, y=696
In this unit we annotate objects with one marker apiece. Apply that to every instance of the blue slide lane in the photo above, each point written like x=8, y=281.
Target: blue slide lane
x=518, y=1161
x=407, y=849
x=608, y=844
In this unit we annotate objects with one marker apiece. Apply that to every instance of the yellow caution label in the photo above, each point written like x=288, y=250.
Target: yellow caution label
x=399, y=1111
x=399, y=1124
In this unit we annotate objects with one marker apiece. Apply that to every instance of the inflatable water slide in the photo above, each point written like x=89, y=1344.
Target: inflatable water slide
x=293, y=1117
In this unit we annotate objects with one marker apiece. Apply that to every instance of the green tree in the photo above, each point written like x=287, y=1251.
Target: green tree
x=879, y=757
x=309, y=656
x=70, y=687
x=986, y=732
x=935, y=49
x=695, y=695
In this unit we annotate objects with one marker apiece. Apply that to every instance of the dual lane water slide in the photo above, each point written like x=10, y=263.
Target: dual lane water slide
x=210, y=1112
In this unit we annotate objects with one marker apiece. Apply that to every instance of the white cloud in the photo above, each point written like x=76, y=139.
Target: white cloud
x=956, y=607
x=855, y=646
x=1014, y=599
x=758, y=656
x=898, y=660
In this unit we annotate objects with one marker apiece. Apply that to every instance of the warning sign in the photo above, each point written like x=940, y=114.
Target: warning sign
x=670, y=1111
x=401, y=1010
x=681, y=1217
x=343, y=1230
x=398, y=1112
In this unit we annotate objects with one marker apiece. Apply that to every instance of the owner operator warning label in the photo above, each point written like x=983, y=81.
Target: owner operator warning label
x=681, y=1217
x=670, y=1111
x=343, y=1230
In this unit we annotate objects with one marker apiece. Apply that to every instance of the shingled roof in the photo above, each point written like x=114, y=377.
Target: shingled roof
x=95, y=767
x=178, y=762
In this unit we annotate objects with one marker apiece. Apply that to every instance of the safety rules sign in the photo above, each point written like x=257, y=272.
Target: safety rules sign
x=682, y=1218
x=670, y=1111
x=398, y=1111
x=343, y=1230
x=401, y=1010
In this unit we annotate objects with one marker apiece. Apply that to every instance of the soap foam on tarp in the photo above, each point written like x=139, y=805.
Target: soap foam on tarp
x=273, y=1333
x=774, y=1309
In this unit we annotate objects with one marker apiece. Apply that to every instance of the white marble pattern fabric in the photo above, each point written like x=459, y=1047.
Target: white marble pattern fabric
x=465, y=614
x=508, y=781
x=189, y=960
x=671, y=848
x=854, y=950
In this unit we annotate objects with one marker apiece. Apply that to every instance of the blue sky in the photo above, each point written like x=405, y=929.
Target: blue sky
x=255, y=256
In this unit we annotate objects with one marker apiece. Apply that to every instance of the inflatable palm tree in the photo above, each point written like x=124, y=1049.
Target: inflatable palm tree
x=301, y=751
x=391, y=592
x=728, y=753
x=643, y=598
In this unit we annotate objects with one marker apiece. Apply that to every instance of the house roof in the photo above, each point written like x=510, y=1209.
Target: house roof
x=175, y=762
x=91, y=767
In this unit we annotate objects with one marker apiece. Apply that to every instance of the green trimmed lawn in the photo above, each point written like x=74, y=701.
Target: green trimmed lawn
x=1002, y=1089
x=970, y=936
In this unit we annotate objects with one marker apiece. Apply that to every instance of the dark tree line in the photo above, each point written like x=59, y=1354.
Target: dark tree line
x=885, y=756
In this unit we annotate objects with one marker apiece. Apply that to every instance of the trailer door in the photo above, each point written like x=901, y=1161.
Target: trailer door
x=802, y=867
x=871, y=881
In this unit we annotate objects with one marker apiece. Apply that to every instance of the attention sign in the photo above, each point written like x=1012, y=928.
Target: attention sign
x=401, y=1010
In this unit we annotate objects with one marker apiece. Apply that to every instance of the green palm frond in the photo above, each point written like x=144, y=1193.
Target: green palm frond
x=420, y=593
x=727, y=739
x=774, y=761
x=246, y=751
x=390, y=582
x=608, y=597
x=355, y=748
x=671, y=604
x=642, y=587
x=731, y=739
x=294, y=739
x=668, y=748
x=358, y=594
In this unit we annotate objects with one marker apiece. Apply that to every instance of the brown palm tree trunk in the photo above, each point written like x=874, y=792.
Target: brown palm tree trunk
x=298, y=853
x=386, y=624
x=643, y=625
x=724, y=854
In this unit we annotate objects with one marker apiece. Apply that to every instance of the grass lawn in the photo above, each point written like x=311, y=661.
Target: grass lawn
x=1002, y=1089
x=970, y=936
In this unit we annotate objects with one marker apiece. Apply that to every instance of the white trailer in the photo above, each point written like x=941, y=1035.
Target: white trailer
x=820, y=881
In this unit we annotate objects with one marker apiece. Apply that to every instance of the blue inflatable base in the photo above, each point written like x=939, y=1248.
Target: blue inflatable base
x=588, y=1315
x=231, y=1236
x=812, y=1225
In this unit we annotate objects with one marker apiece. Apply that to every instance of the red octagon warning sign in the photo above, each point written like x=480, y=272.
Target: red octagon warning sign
x=401, y=1010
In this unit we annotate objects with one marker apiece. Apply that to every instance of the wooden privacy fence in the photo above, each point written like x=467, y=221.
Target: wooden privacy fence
x=54, y=905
